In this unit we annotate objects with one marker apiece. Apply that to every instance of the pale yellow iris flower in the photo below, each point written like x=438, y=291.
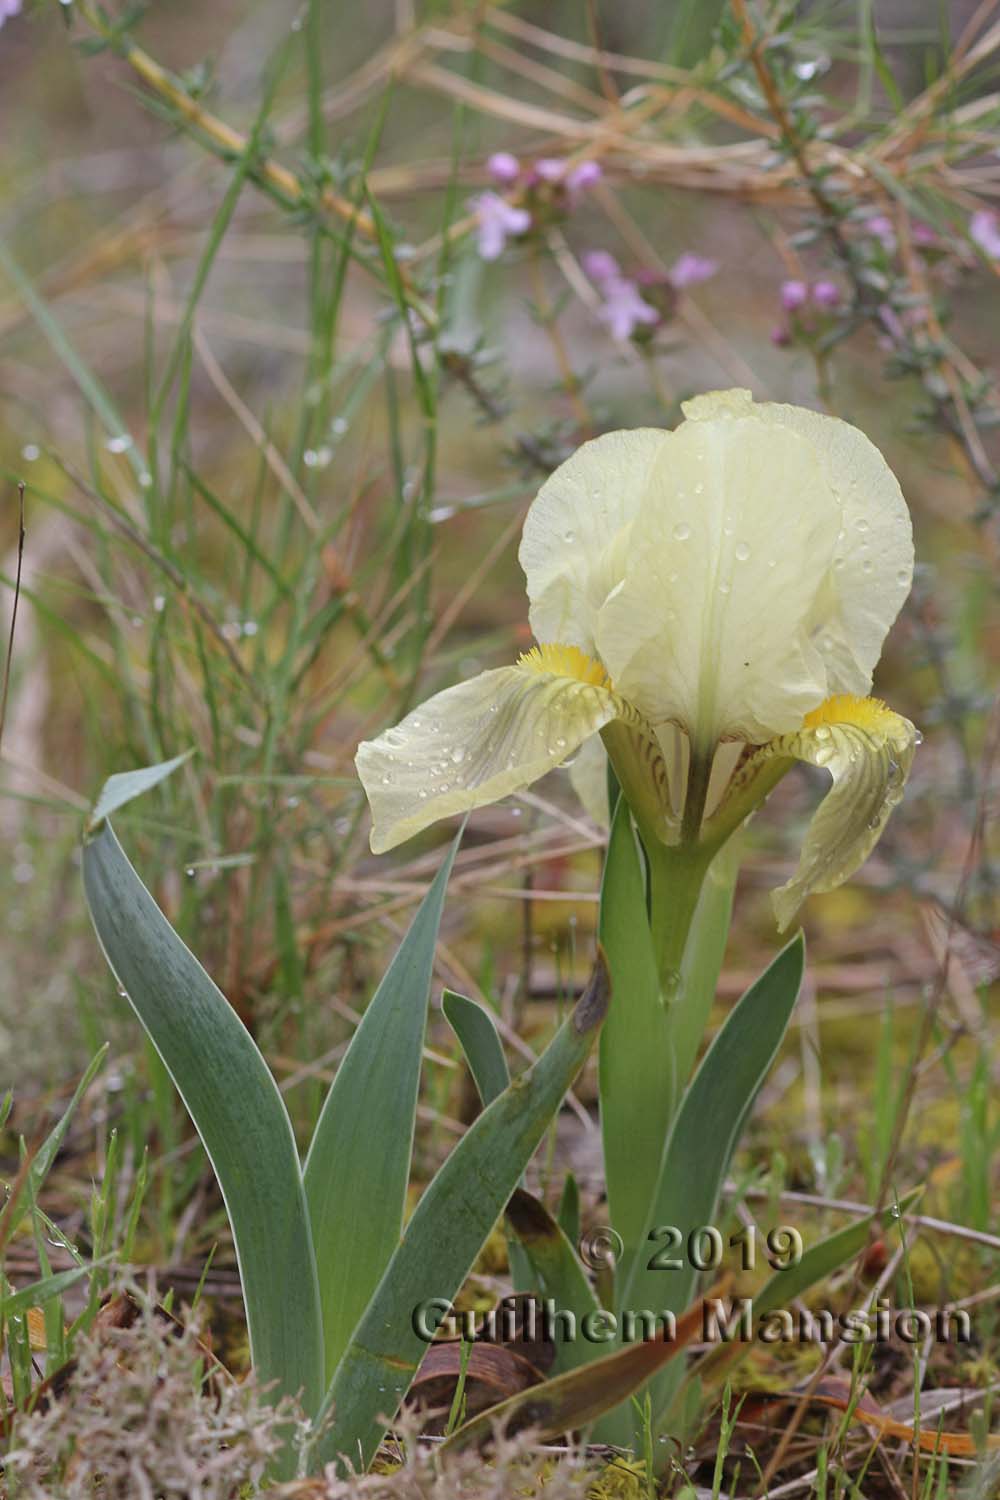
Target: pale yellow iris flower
x=711, y=601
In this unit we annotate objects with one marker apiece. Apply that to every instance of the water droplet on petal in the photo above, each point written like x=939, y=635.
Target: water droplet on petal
x=918, y=738
x=457, y=755
x=862, y=524
x=903, y=577
x=569, y=536
x=822, y=732
x=421, y=794
x=867, y=565
x=681, y=531
x=741, y=552
x=699, y=488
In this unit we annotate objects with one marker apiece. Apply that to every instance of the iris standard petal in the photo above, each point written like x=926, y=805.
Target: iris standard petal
x=730, y=549
x=574, y=545
x=483, y=739
x=868, y=751
x=872, y=566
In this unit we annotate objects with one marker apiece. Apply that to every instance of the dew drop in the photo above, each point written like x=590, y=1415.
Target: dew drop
x=772, y=562
x=873, y=822
x=681, y=531
x=918, y=738
x=457, y=755
x=569, y=536
x=699, y=488
x=822, y=732
x=120, y=444
x=30, y=452
x=725, y=588
x=560, y=743
x=867, y=565
x=189, y=872
x=672, y=577
x=741, y=552
x=422, y=794
x=862, y=524
x=903, y=577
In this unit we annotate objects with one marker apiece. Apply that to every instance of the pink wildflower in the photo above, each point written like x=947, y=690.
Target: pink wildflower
x=498, y=219
x=794, y=295
x=600, y=265
x=689, y=269
x=623, y=308
x=503, y=167
x=826, y=294
x=881, y=227
x=582, y=177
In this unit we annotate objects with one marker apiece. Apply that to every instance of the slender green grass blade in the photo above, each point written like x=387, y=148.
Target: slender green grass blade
x=823, y=1258
x=358, y=1165
x=91, y=388
x=236, y=1108
x=451, y=1223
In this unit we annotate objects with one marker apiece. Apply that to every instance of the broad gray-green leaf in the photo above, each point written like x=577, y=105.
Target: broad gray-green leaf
x=558, y=1272
x=449, y=1226
x=477, y=1032
x=358, y=1164
x=236, y=1108
x=125, y=785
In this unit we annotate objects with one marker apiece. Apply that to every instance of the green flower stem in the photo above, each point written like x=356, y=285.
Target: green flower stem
x=676, y=876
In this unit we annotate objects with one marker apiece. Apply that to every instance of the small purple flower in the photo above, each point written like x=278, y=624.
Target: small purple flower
x=689, y=269
x=498, y=219
x=600, y=265
x=881, y=227
x=794, y=294
x=624, y=309
x=8, y=9
x=924, y=235
x=984, y=231
x=826, y=294
x=582, y=177
x=549, y=169
x=502, y=166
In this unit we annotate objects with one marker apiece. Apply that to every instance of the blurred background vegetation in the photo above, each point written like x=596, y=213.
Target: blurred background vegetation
x=278, y=418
